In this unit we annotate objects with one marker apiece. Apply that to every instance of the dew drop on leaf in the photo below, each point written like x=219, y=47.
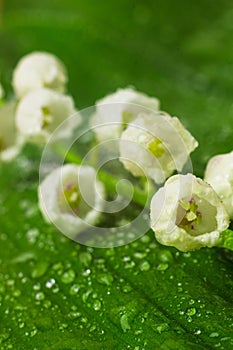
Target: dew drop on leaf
x=74, y=289
x=191, y=311
x=144, y=266
x=124, y=323
x=162, y=267
x=105, y=278
x=97, y=305
x=68, y=276
x=39, y=296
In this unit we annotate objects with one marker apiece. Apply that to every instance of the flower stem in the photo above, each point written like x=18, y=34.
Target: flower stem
x=139, y=196
x=226, y=240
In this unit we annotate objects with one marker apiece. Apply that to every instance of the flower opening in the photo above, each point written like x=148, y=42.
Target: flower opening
x=187, y=213
x=156, y=147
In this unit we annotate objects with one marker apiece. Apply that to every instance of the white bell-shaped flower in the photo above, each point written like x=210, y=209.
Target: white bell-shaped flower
x=219, y=174
x=10, y=141
x=155, y=145
x=71, y=198
x=114, y=111
x=187, y=213
x=41, y=111
x=37, y=70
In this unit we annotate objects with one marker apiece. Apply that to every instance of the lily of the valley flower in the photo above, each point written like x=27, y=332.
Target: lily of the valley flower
x=155, y=145
x=114, y=111
x=219, y=174
x=71, y=198
x=187, y=213
x=37, y=70
x=10, y=141
x=41, y=111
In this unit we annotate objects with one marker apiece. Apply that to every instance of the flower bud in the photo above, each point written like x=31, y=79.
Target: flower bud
x=41, y=111
x=187, y=213
x=155, y=145
x=114, y=111
x=38, y=70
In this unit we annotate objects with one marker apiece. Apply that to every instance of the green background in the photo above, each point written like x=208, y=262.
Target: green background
x=140, y=296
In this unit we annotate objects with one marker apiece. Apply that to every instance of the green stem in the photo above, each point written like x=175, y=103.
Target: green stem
x=139, y=196
x=226, y=240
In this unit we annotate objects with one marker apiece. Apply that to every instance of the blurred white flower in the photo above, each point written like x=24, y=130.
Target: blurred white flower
x=1, y=92
x=187, y=213
x=37, y=70
x=114, y=111
x=41, y=111
x=155, y=145
x=219, y=174
x=10, y=141
x=71, y=198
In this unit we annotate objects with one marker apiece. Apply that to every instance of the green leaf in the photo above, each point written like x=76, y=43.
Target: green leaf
x=57, y=294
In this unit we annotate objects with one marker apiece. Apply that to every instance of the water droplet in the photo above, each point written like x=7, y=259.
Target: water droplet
x=124, y=323
x=129, y=265
x=33, y=332
x=144, y=266
x=191, y=311
x=92, y=328
x=74, y=289
x=162, y=267
x=139, y=255
x=214, y=335
x=10, y=283
x=32, y=235
x=47, y=304
x=86, y=295
x=97, y=305
x=68, y=276
x=165, y=256
x=145, y=239
x=127, y=288
x=86, y=272
x=58, y=267
x=74, y=314
x=163, y=327
x=85, y=258
x=105, y=278
x=24, y=257
x=40, y=296
x=50, y=283
x=40, y=269
x=16, y=293
x=63, y=326
x=36, y=286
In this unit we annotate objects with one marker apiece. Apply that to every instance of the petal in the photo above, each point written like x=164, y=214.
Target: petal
x=219, y=174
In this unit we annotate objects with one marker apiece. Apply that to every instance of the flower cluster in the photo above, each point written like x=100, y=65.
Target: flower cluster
x=39, y=106
x=186, y=212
